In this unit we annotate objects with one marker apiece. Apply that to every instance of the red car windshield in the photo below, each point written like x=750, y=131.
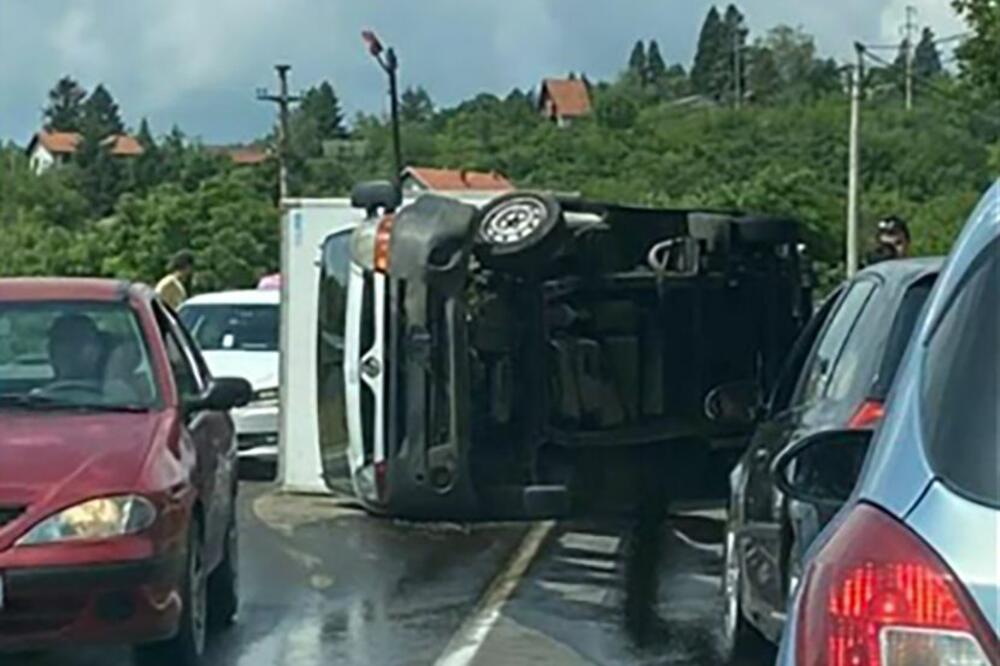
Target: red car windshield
x=74, y=355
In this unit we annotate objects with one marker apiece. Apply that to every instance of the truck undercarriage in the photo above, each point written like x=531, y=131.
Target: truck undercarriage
x=543, y=355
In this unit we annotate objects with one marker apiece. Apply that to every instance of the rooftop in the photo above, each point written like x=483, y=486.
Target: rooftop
x=459, y=180
x=570, y=96
x=62, y=289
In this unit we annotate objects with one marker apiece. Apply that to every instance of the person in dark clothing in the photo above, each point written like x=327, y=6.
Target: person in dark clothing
x=894, y=233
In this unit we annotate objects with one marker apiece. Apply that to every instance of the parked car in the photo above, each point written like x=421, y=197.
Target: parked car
x=536, y=355
x=907, y=572
x=117, y=483
x=238, y=334
x=837, y=376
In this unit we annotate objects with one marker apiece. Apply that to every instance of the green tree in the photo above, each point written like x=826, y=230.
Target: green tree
x=977, y=56
x=926, y=59
x=100, y=174
x=415, y=105
x=656, y=68
x=64, y=111
x=101, y=112
x=323, y=107
x=711, y=50
x=637, y=61
x=146, y=167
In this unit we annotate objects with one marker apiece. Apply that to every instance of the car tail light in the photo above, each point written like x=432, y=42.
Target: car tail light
x=383, y=236
x=869, y=413
x=876, y=595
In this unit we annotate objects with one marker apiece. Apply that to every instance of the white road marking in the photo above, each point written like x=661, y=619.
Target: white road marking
x=600, y=543
x=466, y=643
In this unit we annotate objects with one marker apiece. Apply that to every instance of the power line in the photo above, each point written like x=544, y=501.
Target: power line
x=941, y=94
x=953, y=38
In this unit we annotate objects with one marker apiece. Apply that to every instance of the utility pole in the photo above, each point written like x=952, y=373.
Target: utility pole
x=854, y=164
x=737, y=69
x=284, y=102
x=909, y=35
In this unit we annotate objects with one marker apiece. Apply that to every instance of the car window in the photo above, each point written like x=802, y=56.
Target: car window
x=903, y=326
x=818, y=371
x=960, y=385
x=790, y=373
x=233, y=327
x=187, y=376
x=74, y=353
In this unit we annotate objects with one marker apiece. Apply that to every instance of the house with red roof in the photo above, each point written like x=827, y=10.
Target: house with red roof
x=417, y=180
x=564, y=100
x=48, y=149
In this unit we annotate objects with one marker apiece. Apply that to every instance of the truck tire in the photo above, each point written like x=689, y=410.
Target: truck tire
x=766, y=230
x=519, y=230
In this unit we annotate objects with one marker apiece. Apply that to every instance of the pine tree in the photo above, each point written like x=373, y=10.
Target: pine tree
x=146, y=168
x=926, y=59
x=711, y=48
x=100, y=173
x=637, y=61
x=322, y=105
x=415, y=105
x=656, y=68
x=64, y=112
x=101, y=112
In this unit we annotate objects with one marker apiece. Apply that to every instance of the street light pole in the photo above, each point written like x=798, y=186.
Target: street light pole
x=854, y=165
x=390, y=65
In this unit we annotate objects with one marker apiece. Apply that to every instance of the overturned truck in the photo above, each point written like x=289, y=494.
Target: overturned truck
x=538, y=355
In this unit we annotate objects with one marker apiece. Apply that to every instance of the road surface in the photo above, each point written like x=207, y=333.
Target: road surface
x=323, y=583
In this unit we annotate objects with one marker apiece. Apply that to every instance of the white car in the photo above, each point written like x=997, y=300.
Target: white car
x=238, y=332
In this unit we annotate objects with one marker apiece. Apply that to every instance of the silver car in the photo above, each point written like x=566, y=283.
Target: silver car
x=908, y=573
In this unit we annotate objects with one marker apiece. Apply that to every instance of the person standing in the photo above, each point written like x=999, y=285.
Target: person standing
x=895, y=233
x=172, y=289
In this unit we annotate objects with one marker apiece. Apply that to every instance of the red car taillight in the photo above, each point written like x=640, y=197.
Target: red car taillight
x=876, y=595
x=383, y=236
x=869, y=413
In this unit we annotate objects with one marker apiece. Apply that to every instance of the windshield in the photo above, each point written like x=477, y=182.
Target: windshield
x=229, y=327
x=960, y=389
x=75, y=355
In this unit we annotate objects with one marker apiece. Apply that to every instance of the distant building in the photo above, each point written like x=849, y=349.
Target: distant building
x=48, y=149
x=453, y=181
x=242, y=155
x=564, y=100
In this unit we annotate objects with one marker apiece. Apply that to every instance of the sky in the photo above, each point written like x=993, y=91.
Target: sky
x=198, y=63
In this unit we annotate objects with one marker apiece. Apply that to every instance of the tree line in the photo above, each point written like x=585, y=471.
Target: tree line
x=755, y=123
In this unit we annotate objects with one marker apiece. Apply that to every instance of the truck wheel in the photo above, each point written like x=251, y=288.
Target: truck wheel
x=766, y=230
x=519, y=230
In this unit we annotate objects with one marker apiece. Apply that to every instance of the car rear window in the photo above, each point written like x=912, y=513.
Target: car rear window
x=960, y=397
x=899, y=336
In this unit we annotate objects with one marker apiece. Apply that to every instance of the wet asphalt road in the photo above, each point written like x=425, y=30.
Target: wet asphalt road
x=324, y=584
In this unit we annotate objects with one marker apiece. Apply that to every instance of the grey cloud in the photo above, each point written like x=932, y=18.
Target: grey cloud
x=197, y=62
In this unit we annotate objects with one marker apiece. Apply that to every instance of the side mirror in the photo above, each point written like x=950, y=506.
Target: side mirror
x=822, y=469
x=223, y=394
x=737, y=403
x=376, y=194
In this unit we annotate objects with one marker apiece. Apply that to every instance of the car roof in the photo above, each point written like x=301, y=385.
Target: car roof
x=238, y=297
x=905, y=270
x=66, y=289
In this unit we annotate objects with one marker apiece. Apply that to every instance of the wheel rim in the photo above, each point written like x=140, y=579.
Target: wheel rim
x=514, y=221
x=198, y=594
x=731, y=583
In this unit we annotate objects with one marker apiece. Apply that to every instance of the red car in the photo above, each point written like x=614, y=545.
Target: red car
x=117, y=473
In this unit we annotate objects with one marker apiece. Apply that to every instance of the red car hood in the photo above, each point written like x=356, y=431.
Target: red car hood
x=47, y=457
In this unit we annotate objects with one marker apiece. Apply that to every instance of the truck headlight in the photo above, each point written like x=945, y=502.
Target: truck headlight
x=102, y=518
x=266, y=396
